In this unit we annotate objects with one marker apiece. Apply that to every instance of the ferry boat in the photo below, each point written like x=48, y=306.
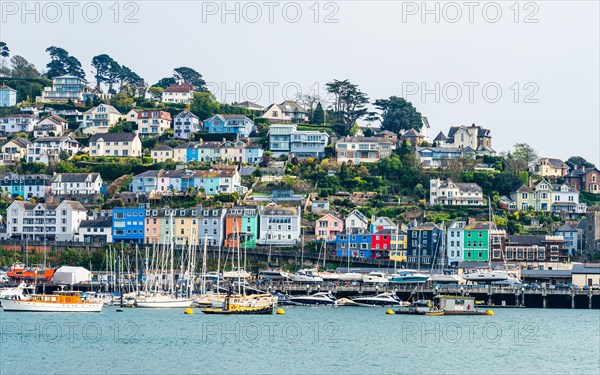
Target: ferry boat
x=320, y=298
x=383, y=299
x=61, y=301
x=408, y=277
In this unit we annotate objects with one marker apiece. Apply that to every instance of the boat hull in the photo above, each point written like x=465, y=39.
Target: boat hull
x=16, y=305
x=310, y=302
x=164, y=304
x=377, y=303
x=241, y=311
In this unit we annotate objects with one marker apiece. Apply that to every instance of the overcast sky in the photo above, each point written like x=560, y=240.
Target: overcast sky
x=530, y=73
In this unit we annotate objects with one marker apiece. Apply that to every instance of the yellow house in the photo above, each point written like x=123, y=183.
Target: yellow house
x=398, y=245
x=162, y=153
x=548, y=167
x=186, y=226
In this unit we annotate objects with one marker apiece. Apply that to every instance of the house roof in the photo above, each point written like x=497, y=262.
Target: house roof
x=528, y=239
x=21, y=142
x=74, y=177
x=461, y=186
x=113, y=137
x=586, y=268
x=279, y=211
x=19, y=115
x=109, y=109
x=412, y=133
x=566, y=228
x=162, y=148
x=101, y=222
x=186, y=113
x=580, y=172
x=74, y=205
x=479, y=225
x=385, y=132
x=183, y=87
x=54, y=139
x=440, y=137
x=364, y=140
x=55, y=119
x=555, y=163
x=4, y=87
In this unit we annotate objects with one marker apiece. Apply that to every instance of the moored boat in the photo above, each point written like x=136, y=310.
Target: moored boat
x=255, y=304
x=317, y=299
x=383, y=299
x=408, y=277
x=62, y=301
x=162, y=301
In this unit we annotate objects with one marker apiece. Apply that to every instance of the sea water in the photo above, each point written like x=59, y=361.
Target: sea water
x=306, y=340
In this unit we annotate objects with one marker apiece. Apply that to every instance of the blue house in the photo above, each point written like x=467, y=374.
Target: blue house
x=357, y=240
x=8, y=96
x=422, y=244
x=570, y=236
x=128, y=225
x=221, y=124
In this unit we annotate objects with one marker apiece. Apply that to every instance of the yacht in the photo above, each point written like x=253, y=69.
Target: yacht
x=62, y=301
x=440, y=278
x=306, y=276
x=19, y=292
x=487, y=276
x=273, y=275
x=383, y=299
x=160, y=300
x=350, y=276
x=375, y=278
x=238, y=273
x=321, y=298
x=408, y=277
x=329, y=276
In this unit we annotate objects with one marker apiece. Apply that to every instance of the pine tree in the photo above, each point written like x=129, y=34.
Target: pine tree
x=319, y=115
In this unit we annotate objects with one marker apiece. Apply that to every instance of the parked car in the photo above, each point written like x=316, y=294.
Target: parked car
x=532, y=286
x=595, y=287
x=562, y=287
x=573, y=286
x=586, y=287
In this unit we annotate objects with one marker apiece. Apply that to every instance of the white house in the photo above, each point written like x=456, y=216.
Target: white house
x=8, y=96
x=286, y=139
x=51, y=126
x=185, y=124
x=181, y=92
x=44, y=221
x=99, y=119
x=454, y=243
x=162, y=153
x=153, y=123
x=17, y=123
x=565, y=198
x=115, y=144
x=14, y=150
x=48, y=149
x=279, y=225
x=358, y=150
x=450, y=193
x=76, y=183
x=286, y=112
x=65, y=88
x=97, y=230
x=356, y=219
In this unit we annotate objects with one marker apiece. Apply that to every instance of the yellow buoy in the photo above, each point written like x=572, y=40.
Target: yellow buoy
x=188, y=311
x=390, y=312
x=489, y=312
x=280, y=311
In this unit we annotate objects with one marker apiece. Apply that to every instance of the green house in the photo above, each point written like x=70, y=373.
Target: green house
x=476, y=242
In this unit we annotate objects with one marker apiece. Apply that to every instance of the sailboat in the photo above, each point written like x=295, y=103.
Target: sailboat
x=240, y=303
x=158, y=298
x=438, y=276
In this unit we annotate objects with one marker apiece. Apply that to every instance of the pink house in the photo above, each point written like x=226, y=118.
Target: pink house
x=327, y=227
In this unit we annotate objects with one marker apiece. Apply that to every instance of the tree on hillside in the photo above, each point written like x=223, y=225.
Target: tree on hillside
x=102, y=65
x=4, y=53
x=349, y=103
x=189, y=75
x=397, y=115
x=575, y=162
x=112, y=76
x=156, y=92
x=21, y=68
x=204, y=105
x=62, y=63
x=319, y=115
x=165, y=82
x=524, y=155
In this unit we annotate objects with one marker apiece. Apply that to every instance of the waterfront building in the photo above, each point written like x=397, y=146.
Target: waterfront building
x=27, y=186
x=569, y=234
x=454, y=242
x=380, y=223
x=328, y=227
x=354, y=242
x=97, y=230
x=279, y=225
x=185, y=124
x=50, y=149
x=115, y=144
x=356, y=219
x=128, y=225
x=476, y=242
x=241, y=222
x=398, y=245
x=423, y=244
x=450, y=193
x=211, y=223
x=76, y=184
x=38, y=222
x=532, y=249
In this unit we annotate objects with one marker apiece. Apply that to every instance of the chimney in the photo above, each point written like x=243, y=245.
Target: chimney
x=530, y=182
x=583, y=168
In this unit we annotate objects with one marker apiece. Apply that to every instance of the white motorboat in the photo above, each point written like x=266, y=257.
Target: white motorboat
x=487, y=276
x=306, y=276
x=375, y=278
x=19, y=292
x=383, y=299
x=273, y=275
x=320, y=298
x=408, y=277
x=350, y=276
x=439, y=278
x=162, y=301
x=238, y=273
x=62, y=301
x=329, y=276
